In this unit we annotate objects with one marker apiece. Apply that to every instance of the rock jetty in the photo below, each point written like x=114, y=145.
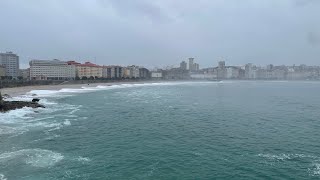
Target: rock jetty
x=12, y=105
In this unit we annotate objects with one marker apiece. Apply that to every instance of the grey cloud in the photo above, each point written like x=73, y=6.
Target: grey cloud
x=138, y=9
x=162, y=32
x=313, y=39
x=303, y=3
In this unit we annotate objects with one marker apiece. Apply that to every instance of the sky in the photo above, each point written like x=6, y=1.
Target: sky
x=160, y=33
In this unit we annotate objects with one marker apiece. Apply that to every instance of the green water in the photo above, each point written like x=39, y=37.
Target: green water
x=190, y=130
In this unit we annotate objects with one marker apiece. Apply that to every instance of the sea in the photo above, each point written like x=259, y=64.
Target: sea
x=166, y=130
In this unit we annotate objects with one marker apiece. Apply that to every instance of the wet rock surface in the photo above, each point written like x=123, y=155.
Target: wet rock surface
x=12, y=105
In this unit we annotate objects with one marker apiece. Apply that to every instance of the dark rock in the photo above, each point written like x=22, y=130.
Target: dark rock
x=6, y=96
x=12, y=105
x=35, y=100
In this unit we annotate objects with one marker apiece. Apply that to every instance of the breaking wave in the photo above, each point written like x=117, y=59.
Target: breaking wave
x=33, y=157
x=2, y=177
x=282, y=157
x=83, y=89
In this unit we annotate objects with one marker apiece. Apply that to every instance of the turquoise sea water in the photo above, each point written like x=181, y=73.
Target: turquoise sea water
x=175, y=130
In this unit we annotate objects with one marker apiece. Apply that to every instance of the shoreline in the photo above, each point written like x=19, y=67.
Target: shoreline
x=22, y=90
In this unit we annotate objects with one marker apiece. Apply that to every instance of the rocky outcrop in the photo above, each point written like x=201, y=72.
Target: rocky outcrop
x=12, y=105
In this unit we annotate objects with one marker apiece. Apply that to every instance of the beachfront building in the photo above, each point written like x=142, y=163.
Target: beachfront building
x=2, y=71
x=191, y=64
x=11, y=62
x=144, y=73
x=132, y=72
x=175, y=74
x=126, y=72
x=233, y=72
x=112, y=72
x=183, y=65
x=156, y=75
x=51, y=70
x=87, y=70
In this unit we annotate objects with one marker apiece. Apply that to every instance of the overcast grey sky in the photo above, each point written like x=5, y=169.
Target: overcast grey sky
x=163, y=32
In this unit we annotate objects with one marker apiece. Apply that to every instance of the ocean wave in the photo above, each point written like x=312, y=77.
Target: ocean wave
x=282, y=157
x=83, y=159
x=33, y=157
x=83, y=89
x=14, y=115
x=315, y=170
x=67, y=123
x=5, y=130
x=2, y=177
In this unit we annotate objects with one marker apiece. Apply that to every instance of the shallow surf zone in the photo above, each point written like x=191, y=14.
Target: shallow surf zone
x=31, y=157
x=17, y=122
x=85, y=89
x=313, y=162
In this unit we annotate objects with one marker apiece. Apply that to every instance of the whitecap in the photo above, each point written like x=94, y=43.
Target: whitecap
x=67, y=123
x=2, y=177
x=5, y=130
x=42, y=92
x=83, y=159
x=316, y=169
x=33, y=157
x=14, y=115
x=275, y=157
x=283, y=157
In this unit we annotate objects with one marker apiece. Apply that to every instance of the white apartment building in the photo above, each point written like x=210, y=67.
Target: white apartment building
x=51, y=70
x=11, y=63
x=156, y=75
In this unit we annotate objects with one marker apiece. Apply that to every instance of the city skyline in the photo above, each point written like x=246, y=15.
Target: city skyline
x=157, y=33
x=174, y=63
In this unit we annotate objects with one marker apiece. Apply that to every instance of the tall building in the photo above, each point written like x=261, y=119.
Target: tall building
x=11, y=62
x=196, y=67
x=183, y=65
x=51, y=70
x=222, y=64
x=248, y=71
x=221, y=70
x=191, y=64
x=2, y=71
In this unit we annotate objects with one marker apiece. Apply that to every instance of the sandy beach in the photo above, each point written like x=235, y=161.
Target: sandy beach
x=17, y=91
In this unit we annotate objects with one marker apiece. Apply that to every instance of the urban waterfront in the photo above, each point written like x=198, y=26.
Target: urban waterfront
x=173, y=130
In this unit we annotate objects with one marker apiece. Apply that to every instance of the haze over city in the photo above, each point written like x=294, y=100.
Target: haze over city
x=163, y=32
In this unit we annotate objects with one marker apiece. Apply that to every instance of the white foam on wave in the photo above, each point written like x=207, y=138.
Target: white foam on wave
x=5, y=130
x=83, y=159
x=29, y=98
x=283, y=157
x=42, y=92
x=14, y=115
x=64, y=91
x=316, y=169
x=33, y=157
x=2, y=177
x=275, y=157
x=67, y=123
